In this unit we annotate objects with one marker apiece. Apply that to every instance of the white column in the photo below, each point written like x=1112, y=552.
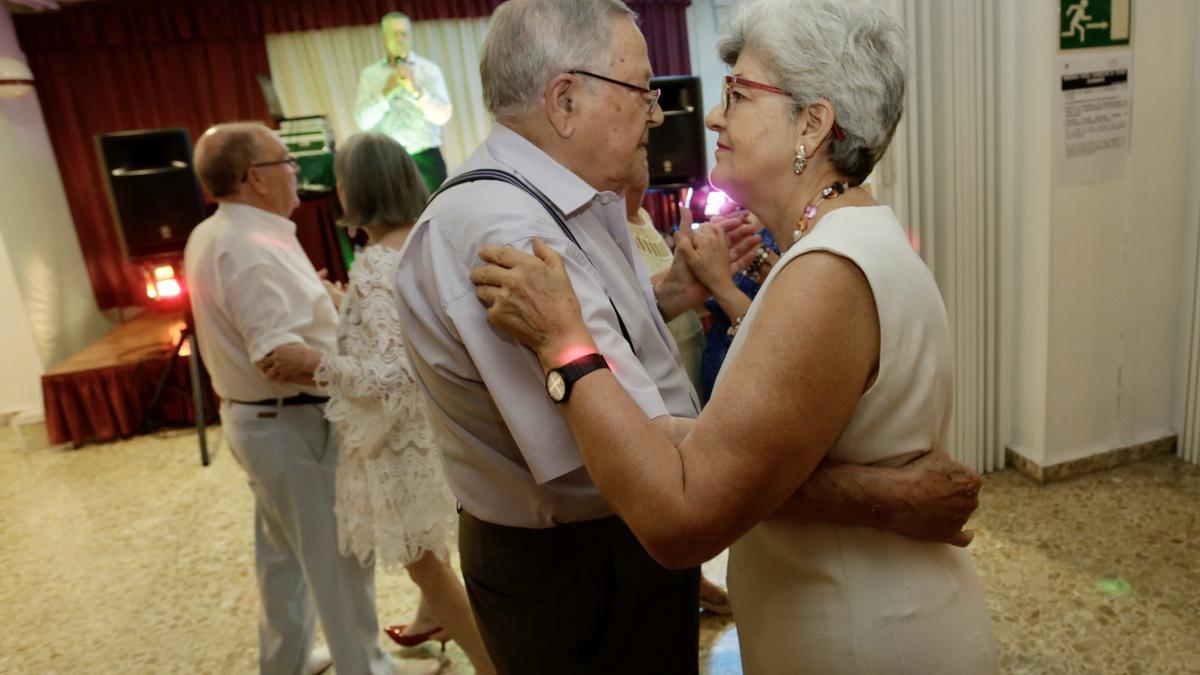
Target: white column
x=1189, y=353
x=46, y=299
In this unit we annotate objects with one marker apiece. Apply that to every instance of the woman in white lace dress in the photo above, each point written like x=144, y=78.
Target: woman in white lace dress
x=392, y=500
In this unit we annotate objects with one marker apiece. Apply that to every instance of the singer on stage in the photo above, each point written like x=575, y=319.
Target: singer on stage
x=404, y=96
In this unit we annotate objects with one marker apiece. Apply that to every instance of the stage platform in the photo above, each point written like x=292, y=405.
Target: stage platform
x=102, y=393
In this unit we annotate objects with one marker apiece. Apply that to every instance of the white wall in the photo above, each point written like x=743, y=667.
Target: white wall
x=1187, y=406
x=1114, y=260
x=19, y=359
x=706, y=22
x=1025, y=226
x=1096, y=280
x=46, y=298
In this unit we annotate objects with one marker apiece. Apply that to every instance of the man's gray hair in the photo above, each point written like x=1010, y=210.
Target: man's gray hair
x=380, y=182
x=531, y=41
x=224, y=158
x=851, y=53
x=394, y=15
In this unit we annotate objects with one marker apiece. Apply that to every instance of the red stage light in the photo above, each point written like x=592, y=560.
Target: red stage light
x=168, y=288
x=162, y=284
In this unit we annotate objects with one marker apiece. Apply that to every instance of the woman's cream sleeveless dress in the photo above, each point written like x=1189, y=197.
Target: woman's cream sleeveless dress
x=828, y=599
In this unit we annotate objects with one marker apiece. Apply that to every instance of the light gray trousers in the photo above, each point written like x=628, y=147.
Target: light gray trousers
x=290, y=454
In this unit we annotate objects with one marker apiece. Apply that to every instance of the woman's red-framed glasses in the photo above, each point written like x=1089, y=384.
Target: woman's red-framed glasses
x=732, y=81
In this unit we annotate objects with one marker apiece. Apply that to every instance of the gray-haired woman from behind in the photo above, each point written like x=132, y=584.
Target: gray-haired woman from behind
x=392, y=500
x=844, y=354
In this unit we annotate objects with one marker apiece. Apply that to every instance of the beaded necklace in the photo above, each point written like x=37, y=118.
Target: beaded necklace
x=810, y=211
x=828, y=192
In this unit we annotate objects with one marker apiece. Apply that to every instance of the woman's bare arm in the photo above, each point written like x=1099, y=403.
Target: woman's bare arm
x=792, y=389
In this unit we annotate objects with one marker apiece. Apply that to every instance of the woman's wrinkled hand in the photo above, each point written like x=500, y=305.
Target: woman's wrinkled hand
x=707, y=255
x=530, y=298
x=681, y=289
x=742, y=234
x=292, y=363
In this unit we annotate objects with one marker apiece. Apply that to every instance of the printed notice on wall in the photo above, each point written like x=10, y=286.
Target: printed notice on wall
x=1093, y=116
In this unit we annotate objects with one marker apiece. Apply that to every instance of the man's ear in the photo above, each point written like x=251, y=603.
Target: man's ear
x=815, y=125
x=255, y=182
x=560, y=104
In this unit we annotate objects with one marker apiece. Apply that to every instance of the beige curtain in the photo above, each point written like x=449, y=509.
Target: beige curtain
x=316, y=73
x=941, y=176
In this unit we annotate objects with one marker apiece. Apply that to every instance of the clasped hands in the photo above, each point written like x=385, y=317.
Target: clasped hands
x=402, y=76
x=291, y=363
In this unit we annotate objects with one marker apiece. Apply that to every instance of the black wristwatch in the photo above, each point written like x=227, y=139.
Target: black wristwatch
x=560, y=380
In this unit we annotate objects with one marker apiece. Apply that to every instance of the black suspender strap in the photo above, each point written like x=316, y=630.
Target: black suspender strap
x=505, y=177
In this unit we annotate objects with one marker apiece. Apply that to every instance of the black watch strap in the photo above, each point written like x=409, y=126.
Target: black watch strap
x=564, y=377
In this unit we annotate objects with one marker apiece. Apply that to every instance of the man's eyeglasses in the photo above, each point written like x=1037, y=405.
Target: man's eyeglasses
x=731, y=81
x=289, y=160
x=653, y=93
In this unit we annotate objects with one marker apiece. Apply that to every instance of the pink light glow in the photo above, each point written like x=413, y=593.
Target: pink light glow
x=715, y=202
x=914, y=240
x=571, y=353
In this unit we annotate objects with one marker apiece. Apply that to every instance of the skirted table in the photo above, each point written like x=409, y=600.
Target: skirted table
x=104, y=392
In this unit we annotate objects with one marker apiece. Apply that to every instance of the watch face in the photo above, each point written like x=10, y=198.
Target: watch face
x=555, y=386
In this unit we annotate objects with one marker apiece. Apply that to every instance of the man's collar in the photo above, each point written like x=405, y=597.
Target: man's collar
x=247, y=212
x=568, y=191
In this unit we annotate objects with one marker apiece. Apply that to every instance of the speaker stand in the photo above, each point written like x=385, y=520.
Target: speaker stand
x=152, y=419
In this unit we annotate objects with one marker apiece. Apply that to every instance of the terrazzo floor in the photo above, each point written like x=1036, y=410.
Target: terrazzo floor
x=130, y=557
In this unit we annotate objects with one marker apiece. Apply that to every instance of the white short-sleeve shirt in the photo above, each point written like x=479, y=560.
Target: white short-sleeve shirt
x=252, y=289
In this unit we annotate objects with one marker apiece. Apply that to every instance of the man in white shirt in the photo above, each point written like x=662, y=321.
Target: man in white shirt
x=557, y=582
x=253, y=289
x=404, y=96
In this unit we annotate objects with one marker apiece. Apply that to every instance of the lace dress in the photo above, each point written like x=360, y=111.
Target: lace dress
x=392, y=499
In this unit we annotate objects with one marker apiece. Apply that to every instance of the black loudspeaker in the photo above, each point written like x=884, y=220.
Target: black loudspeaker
x=155, y=198
x=676, y=151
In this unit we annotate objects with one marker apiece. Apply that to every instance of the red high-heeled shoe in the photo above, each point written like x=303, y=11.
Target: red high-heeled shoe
x=396, y=632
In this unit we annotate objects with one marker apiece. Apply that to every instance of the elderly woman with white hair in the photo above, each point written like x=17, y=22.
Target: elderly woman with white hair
x=392, y=502
x=844, y=354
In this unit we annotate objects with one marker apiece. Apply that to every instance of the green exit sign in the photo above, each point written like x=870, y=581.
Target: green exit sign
x=1093, y=23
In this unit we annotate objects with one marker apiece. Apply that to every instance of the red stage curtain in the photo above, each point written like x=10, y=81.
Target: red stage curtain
x=296, y=15
x=316, y=230
x=664, y=23
x=125, y=70
x=116, y=66
x=115, y=22
x=139, y=64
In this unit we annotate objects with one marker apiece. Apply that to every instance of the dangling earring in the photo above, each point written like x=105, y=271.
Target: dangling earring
x=800, y=161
